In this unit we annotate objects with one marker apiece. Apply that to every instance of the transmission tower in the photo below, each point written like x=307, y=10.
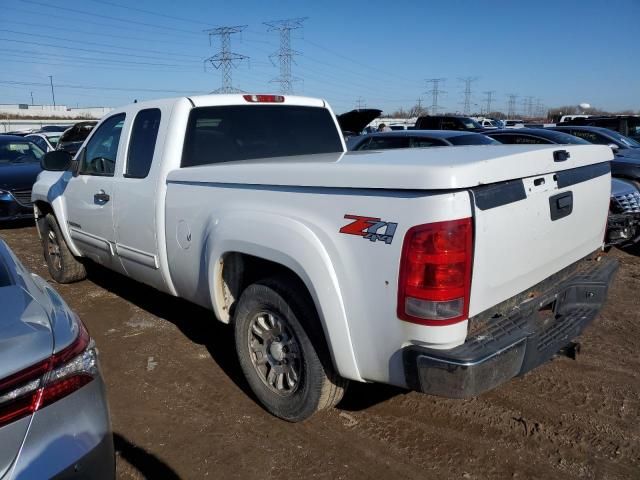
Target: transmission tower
x=226, y=58
x=489, y=98
x=527, y=106
x=285, y=54
x=539, y=108
x=435, y=93
x=467, y=93
x=360, y=103
x=511, y=105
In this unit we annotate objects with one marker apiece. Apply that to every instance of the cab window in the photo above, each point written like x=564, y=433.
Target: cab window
x=144, y=134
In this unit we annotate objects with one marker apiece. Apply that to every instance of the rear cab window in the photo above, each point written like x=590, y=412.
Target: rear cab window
x=245, y=132
x=142, y=145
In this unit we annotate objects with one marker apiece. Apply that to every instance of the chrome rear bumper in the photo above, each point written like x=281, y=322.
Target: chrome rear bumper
x=503, y=346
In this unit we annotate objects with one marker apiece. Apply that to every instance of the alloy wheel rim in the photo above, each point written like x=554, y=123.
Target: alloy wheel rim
x=53, y=248
x=275, y=353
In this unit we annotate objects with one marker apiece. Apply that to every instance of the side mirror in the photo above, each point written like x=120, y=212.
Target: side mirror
x=56, y=161
x=614, y=147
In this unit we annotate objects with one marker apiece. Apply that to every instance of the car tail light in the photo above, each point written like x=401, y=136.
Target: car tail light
x=435, y=273
x=48, y=381
x=264, y=98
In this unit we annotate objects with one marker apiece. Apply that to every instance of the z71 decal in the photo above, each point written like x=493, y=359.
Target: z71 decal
x=370, y=228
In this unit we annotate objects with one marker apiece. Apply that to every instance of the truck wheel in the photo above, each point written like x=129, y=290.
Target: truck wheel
x=282, y=353
x=63, y=266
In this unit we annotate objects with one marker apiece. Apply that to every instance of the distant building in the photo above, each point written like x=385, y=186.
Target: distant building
x=49, y=111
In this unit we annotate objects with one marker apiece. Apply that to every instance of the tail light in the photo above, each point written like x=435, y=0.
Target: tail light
x=435, y=273
x=48, y=381
x=264, y=98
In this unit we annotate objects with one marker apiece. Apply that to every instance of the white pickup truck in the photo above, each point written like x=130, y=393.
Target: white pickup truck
x=444, y=270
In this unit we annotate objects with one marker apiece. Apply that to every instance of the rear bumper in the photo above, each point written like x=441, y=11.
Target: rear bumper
x=70, y=438
x=501, y=348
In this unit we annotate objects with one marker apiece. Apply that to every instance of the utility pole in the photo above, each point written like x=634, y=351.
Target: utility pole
x=511, y=105
x=285, y=54
x=489, y=98
x=360, y=104
x=226, y=58
x=53, y=95
x=31, y=98
x=467, y=93
x=435, y=93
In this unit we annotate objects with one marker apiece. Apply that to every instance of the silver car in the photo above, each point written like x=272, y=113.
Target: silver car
x=54, y=420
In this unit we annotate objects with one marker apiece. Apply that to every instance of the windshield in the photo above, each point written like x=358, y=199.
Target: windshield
x=560, y=137
x=476, y=139
x=20, y=152
x=470, y=123
x=625, y=141
x=53, y=141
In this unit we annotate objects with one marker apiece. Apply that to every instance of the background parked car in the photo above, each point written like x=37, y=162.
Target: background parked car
x=353, y=122
x=54, y=128
x=72, y=138
x=54, y=420
x=622, y=222
x=447, y=122
x=513, y=123
x=417, y=139
x=47, y=141
x=626, y=163
x=628, y=125
x=527, y=136
x=19, y=168
x=624, y=215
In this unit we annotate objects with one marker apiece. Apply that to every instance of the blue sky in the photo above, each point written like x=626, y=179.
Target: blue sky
x=381, y=52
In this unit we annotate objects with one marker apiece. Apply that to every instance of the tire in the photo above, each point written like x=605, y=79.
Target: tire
x=282, y=351
x=63, y=266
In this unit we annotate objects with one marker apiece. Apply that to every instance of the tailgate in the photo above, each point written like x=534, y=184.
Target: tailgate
x=528, y=229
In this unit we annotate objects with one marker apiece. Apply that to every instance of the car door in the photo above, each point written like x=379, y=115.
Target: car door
x=89, y=194
x=137, y=186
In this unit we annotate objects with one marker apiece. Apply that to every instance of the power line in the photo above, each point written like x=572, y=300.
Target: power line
x=90, y=87
x=285, y=54
x=84, y=12
x=84, y=42
x=149, y=12
x=89, y=50
x=435, y=93
x=226, y=58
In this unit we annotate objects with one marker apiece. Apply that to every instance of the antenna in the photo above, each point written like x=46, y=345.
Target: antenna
x=226, y=58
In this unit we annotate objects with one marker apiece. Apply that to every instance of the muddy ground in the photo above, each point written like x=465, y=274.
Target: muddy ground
x=181, y=409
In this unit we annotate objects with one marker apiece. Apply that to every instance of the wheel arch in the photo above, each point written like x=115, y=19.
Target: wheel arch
x=241, y=252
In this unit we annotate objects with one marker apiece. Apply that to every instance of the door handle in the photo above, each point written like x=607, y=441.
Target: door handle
x=101, y=197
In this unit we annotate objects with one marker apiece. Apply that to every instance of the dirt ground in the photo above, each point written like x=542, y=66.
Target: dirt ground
x=181, y=409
